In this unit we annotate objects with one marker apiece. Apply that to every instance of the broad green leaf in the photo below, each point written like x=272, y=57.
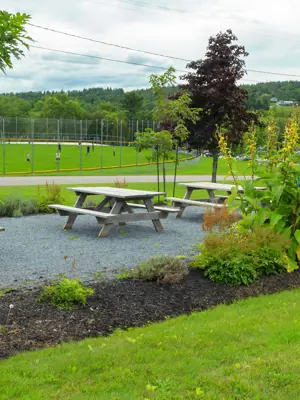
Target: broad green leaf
x=262, y=215
x=297, y=235
x=252, y=201
x=298, y=252
x=274, y=219
x=292, y=249
x=231, y=199
x=280, y=225
x=291, y=264
x=277, y=192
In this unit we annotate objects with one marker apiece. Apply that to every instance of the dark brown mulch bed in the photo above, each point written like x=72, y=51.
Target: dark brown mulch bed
x=117, y=304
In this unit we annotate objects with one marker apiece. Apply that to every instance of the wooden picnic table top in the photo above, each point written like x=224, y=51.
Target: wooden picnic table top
x=117, y=192
x=214, y=186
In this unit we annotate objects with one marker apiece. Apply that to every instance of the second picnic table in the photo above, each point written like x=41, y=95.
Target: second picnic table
x=115, y=207
x=213, y=201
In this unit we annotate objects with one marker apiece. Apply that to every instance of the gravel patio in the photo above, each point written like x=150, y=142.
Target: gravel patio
x=36, y=248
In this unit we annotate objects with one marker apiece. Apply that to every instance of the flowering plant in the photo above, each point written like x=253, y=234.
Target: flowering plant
x=278, y=206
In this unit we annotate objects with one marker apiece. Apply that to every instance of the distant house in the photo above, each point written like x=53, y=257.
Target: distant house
x=273, y=100
x=285, y=103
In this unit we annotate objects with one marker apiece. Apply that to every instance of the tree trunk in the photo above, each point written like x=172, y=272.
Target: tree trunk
x=215, y=167
x=164, y=174
x=175, y=172
x=157, y=170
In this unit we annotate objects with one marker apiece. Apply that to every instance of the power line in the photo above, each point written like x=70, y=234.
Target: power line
x=151, y=53
x=145, y=5
x=255, y=31
x=114, y=5
x=142, y=4
x=119, y=61
x=104, y=58
x=107, y=44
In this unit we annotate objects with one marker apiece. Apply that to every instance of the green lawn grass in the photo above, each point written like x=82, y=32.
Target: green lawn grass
x=70, y=197
x=44, y=160
x=249, y=350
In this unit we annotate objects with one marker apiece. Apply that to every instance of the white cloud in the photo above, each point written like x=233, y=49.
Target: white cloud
x=268, y=31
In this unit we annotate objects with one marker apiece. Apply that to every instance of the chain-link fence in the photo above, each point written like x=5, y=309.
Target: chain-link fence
x=109, y=142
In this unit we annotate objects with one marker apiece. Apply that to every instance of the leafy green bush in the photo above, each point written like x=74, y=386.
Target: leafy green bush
x=165, y=269
x=17, y=206
x=52, y=195
x=65, y=293
x=241, y=257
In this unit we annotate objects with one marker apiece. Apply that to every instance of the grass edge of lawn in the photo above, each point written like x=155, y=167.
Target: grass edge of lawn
x=249, y=348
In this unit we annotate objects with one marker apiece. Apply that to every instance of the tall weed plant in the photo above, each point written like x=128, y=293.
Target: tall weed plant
x=278, y=206
x=50, y=195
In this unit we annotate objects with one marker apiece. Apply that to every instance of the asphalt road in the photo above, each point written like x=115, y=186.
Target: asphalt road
x=41, y=180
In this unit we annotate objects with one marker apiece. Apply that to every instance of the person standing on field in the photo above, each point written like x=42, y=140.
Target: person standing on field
x=88, y=150
x=28, y=157
x=114, y=151
x=57, y=156
x=59, y=147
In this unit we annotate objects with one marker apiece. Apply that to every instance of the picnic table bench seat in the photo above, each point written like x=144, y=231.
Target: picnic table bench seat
x=195, y=203
x=67, y=210
x=166, y=209
x=107, y=217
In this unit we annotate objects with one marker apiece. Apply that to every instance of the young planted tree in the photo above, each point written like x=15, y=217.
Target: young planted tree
x=13, y=38
x=173, y=111
x=161, y=144
x=213, y=86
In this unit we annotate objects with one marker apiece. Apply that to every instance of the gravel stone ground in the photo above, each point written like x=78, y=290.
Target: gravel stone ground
x=36, y=248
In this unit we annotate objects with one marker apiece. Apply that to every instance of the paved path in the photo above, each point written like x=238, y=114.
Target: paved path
x=41, y=180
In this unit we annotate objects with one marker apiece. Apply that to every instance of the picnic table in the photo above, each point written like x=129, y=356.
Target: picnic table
x=115, y=207
x=2, y=229
x=216, y=201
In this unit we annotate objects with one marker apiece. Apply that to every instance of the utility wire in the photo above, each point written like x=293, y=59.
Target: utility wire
x=106, y=43
x=148, y=52
x=145, y=5
x=205, y=17
x=124, y=8
x=104, y=58
x=153, y=6
x=118, y=61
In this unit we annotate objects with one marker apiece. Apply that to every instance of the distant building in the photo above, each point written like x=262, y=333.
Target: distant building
x=273, y=100
x=285, y=103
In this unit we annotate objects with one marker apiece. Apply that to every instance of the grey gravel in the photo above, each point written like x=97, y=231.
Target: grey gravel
x=36, y=248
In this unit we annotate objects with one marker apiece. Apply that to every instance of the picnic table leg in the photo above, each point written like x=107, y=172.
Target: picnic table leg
x=116, y=209
x=103, y=203
x=79, y=202
x=187, y=196
x=156, y=222
x=211, y=194
x=128, y=209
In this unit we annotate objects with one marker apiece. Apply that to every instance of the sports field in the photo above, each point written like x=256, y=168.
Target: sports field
x=74, y=158
x=43, y=157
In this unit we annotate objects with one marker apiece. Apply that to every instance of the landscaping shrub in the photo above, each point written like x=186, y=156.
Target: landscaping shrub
x=219, y=219
x=17, y=206
x=241, y=257
x=65, y=293
x=52, y=196
x=165, y=269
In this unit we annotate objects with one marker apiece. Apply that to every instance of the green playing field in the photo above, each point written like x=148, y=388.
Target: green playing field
x=43, y=157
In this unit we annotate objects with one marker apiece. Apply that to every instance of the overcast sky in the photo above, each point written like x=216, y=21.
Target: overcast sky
x=268, y=29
